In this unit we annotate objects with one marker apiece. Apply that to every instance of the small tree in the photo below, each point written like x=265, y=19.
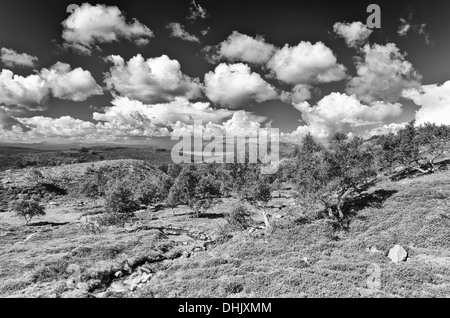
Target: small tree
x=258, y=194
x=332, y=175
x=27, y=208
x=238, y=217
x=120, y=199
x=434, y=141
x=173, y=198
x=147, y=192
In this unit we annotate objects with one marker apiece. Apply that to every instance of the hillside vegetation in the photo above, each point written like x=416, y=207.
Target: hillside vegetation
x=350, y=218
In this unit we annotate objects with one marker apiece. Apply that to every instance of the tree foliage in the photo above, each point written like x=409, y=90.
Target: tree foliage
x=27, y=208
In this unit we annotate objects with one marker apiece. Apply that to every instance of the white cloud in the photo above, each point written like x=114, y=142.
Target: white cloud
x=153, y=80
x=241, y=124
x=129, y=119
x=11, y=58
x=8, y=122
x=382, y=74
x=234, y=85
x=298, y=94
x=242, y=48
x=407, y=26
x=384, y=130
x=76, y=85
x=354, y=34
x=178, y=31
x=404, y=27
x=134, y=112
x=306, y=63
x=89, y=25
x=31, y=93
x=434, y=101
x=342, y=113
x=23, y=92
x=197, y=12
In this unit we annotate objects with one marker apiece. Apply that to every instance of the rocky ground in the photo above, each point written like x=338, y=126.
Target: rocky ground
x=396, y=244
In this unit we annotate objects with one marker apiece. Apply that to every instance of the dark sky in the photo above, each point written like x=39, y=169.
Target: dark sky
x=35, y=27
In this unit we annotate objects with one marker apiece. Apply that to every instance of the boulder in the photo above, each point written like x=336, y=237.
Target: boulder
x=397, y=254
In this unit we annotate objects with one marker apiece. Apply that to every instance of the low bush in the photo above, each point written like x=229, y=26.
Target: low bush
x=238, y=217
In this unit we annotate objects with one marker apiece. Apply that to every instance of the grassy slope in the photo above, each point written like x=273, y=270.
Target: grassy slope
x=408, y=212
x=256, y=265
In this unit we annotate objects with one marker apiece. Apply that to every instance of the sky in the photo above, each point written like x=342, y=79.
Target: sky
x=126, y=71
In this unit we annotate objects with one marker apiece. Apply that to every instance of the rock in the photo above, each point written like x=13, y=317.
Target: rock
x=305, y=259
x=118, y=274
x=397, y=254
x=374, y=250
x=185, y=254
x=118, y=287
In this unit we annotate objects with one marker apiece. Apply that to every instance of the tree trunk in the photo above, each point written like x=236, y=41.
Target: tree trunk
x=341, y=201
x=266, y=220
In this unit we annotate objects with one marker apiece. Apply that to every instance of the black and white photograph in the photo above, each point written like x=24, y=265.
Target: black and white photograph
x=243, y=151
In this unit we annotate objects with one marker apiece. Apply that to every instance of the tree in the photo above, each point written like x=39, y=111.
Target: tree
x=434, y=141
x=120, y=199
x=407, y=151
x=147, y=192
x=258, y=193
x=27, y=208
x=416, y=148
x=194, y=187
x=331, y=175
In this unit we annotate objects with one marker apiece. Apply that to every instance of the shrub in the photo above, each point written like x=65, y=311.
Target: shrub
x=147, y=193
x=112, y=219
x=27, y=208
x=238, y=217
x=120, y=199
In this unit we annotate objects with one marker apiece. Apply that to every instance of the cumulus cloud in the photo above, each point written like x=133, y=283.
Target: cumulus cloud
x=178, y=31
x=75, y=85
x=153, y=80
x=11, y=58
x=196, y=11
x=31, y=93
x=24, y=92
x=382, y=74
x=235, y=84
x=129, y=119
x=384, y=130
x=354, y=34
x=8, y=122
x=342, y=113
x=298, y=94
x=242, y=48
x=134, y=112
x=434, y=101
x=241, y=124
x=306, y=63
x=89, y=25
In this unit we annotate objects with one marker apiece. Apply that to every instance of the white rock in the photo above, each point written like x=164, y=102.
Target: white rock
x=397, y=254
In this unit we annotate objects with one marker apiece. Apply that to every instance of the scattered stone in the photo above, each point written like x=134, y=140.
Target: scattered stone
x=118, y=287
x=118, y=274
x=397, y=254
x=29, y=237
x=374, y=250
x=305, y=259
